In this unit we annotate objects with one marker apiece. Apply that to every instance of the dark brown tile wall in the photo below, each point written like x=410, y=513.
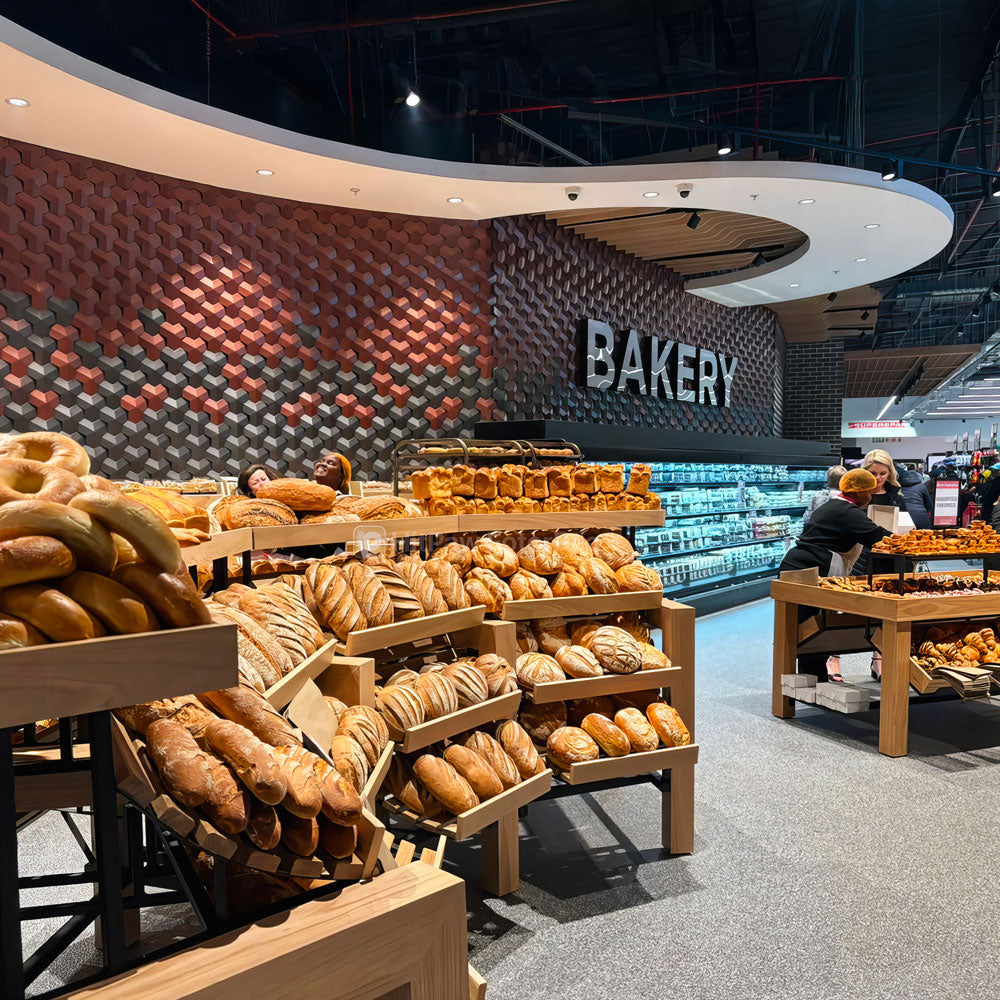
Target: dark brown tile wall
x=814, y=391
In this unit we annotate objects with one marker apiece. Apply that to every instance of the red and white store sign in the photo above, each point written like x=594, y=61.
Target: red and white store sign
x=882, y=428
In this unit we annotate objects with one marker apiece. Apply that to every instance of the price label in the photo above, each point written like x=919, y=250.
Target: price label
x=945, y=504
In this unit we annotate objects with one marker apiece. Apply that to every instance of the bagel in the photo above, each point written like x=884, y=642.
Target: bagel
x=145, y=531
x=33, y=557
x=23, y=479
x=172, y=597
x=91, y=482
x=86, y=538
x=119, y=610
x=55, y=615
x=16, y=633
x=49, y=448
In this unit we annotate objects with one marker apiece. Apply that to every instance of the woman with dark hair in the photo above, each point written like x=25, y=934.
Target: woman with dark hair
x=252, y=478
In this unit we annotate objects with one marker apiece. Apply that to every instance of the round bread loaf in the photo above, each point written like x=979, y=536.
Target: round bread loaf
x=489, y=589
x=173, y=598
x=528, y=586
x=551, y=634
x=404, y=676
x=499, y=674
x=572, y=547
x=48, y=448
x=599, y=575
x=652, y=658
x=469, y=683
x=537, y=668
x=614, y=549
x=336, y=705
x=569, y=745
x=15, y=633
x=495, y=556
x=495, y=755
x=256, y=513
x=23, y=479
x=299, y=494
x=434, y=667
x=445, y=784
x=577, y=661
x=373, y=716
x=578, y=710
x=119, y=610
x=58, y=617
x=606, y=735
x=517, y=744
x=641, y=735
x=438, y=695
x=33, y=557
x=569, y=583
x=634, y=576
x=616, y=650
x=460, y=556
x=668, y=724
x=632, y=623
x=445, y=577
x=483, y=780
x=540, y=557
x=583, y=634
x=541, y=721
x=401, y=705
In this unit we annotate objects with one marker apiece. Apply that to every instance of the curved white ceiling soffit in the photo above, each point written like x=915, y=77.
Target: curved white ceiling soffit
x=80, y=107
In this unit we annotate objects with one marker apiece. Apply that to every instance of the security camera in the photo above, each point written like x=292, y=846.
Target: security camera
x=572, y=193
x=684, y=190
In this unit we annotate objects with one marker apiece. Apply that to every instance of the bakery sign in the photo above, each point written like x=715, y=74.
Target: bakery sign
x=653, y=366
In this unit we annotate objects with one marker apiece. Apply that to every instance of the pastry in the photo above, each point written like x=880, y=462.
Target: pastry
x=576, y=661
x=616, y=650
x=540, y=557
x=569, y=745
x=641, y=735
x=528, y=586
x=606, y=735
x=614, y=549
x=495, y=556
x=668, y=724
x=599, y=575
x=445, y=783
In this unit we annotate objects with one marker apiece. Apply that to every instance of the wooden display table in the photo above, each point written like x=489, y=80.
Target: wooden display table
x=895, y=615
x=400, y=936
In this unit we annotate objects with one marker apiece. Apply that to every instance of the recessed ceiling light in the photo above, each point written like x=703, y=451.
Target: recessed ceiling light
x=651, y=194
x=807, y=201
x=794, y=284
x=455, y=200
x=18, y=102
x=264, y=172
x=860, y=260
x=872, y=225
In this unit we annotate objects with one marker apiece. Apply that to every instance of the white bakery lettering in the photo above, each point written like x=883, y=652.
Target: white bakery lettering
x=666, y=369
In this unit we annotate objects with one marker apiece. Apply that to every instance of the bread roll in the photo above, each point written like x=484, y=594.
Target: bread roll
x=517, y=745
x=528, y=586
x=32, y=558
x=616, y=650
x=117, y=608
x=541, y=721
x=495, y=556
x=445, y=784
x=569, y=583
x=599, y=575
x=537, y=668
x=551, y=634
x=606, y=734
x=499, y=674
x=88, y=540
x=460, y=556
x=438, y=695
x=483, y=780
x=634, y=576
x=652, y=658
x=15, y=633
x=413, y=572
x=614, y=549
x=579, y=709
x=173, y=598
x=540, y=557
x=298, y=494
x=469, y=683
x=447, y=581
x=58, y=617
x=495, y=755
x=576, y=661
x=569, y=745
x=641, y=735
x=668, y=724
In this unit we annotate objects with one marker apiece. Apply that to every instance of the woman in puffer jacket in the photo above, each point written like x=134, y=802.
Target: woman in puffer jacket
x=916, y=496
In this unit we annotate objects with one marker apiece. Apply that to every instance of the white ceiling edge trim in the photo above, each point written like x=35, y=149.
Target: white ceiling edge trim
x=80, y=107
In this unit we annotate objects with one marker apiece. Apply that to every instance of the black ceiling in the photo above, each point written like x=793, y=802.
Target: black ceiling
x=898, y=77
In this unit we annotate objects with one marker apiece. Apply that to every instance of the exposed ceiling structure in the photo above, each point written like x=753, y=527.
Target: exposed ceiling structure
x=879, y=373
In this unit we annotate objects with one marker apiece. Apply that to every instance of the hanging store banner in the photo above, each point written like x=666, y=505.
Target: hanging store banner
x=651, y=366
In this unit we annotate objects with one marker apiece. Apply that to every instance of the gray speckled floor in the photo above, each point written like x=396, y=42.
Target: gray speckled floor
x=821, y=871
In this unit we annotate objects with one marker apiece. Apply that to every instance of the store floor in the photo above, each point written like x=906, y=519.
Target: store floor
x=821, y=870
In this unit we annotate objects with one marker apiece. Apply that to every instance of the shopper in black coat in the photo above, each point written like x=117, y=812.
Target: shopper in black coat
x=887, y=494
x=916, y=497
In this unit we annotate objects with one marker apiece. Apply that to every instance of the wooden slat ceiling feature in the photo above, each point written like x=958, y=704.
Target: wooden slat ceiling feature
x=817, y=318
x=663, y=236
x=879, y=373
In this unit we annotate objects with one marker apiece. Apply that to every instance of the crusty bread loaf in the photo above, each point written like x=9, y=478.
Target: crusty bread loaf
x=58, y=617
x=371, y=715
x=614, y=549
x=173, y=597
x=576, y=661
x=303, y=797
x=495, y=556
x=572, y=547
x=495, y=755
x=526, y=641
x=412, y=571
x=528, y=586
x=541, y=721
x=253, y=761
x=299, y=835
x=540, y=557
x=634, y=576
x=334, y=599
x=445, y=783
x=120, y=610
x=600, y=577
x=186, y=710
x=276, y=661
x=616, y=650
x=551, y=634
x=641, y=735
x=638, y=478
x=668, y=724
x=365, y=733
x=469, y=683
x=499, y=674
x=299, y=494
x=341, y=802
x=405, y=676
x=583, y=634
x=485, y=482
x=184, y=768
x=516, y=742
x=88, y=539
x=245, y=706
x=405, y=603
x=371, y=595
x=404, y=786
x=438, y=694
x=460, y=556
x=606, y=734
x=33, y=557
x=579, y=709
x=570, y=745
x=338, y=841
x=611, y=478
x=652, y=658
x=15, y=633
x=484, y=587
x=350, y=760
x=255, y=513
x=264, y=826
x=285, y=616
x=447, y=581
x=483, y=780
x=537, y=668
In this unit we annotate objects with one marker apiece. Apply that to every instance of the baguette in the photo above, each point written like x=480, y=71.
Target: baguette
x=264, y=826
x=299, y=835
x=247, y=707
x=337, y=841
x=304, y=797
x=173, y=598
x=119, y=610
x=183, y=767
x=341, y=802
x=186, y=710
x=252, y=760
x=228, y=805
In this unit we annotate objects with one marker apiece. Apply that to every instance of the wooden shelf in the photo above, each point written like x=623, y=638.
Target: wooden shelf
x=294, y=535
x=417, y=737
x=75, y=678
x=417, y=630
x=574, y=519
x=632, y=764
x=220, y=546
x=590, y=687
x=587, y=604
x=469, y=823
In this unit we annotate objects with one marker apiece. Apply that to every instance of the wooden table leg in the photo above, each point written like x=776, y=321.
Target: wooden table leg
x=677, y=625
x=786, y=638
x=678, y=811
x=894, y=707
x=501, y=871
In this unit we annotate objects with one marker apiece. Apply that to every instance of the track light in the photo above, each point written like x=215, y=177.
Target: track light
x=890, y=170
x=961, y=332
x=412, y=99
x=725, y=146
x=832, y=297
x=977, y=310
x=995, y=187
x=695, y=221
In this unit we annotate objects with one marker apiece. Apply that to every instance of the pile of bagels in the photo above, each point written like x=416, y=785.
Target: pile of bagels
x=78, y=559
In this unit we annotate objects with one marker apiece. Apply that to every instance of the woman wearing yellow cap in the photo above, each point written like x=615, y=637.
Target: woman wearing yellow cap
x=832, y=539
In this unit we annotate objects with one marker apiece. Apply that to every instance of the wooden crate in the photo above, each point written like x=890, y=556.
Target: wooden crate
x=632, y=764
x=353, y=680
x=590, y=687
x=924, y=682
x=586, y=604
x=296, y=535
x=75, y=678
x=417, y=632
x=415, y=738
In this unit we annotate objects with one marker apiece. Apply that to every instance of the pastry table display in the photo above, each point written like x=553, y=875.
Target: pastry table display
x=888, y=612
